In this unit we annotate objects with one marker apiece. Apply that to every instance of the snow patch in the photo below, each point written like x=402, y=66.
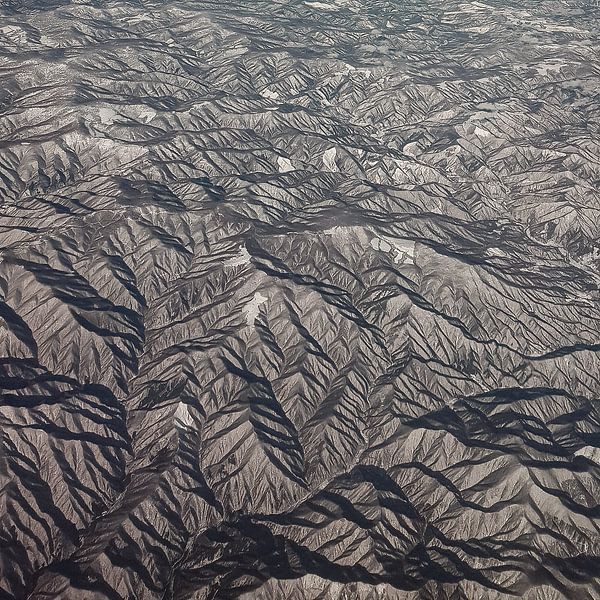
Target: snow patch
x=321, y=5
x=329, y=159
x=252, y=308
x=482, y=132
x=271, y=94
x=107, y=115
x=182, y=414
x=401, y=251
x=285, y=164
x=380, y=245
x=480, y=29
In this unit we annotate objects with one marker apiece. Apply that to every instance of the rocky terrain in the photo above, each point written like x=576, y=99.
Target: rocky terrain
x=299, y=300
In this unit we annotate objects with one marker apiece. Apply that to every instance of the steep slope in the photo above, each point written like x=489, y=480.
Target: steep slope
x=299, y=300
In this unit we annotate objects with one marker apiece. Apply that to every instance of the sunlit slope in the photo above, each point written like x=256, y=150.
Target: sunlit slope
x=299, y=300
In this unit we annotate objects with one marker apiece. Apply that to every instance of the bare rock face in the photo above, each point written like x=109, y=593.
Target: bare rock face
x=299, y=300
